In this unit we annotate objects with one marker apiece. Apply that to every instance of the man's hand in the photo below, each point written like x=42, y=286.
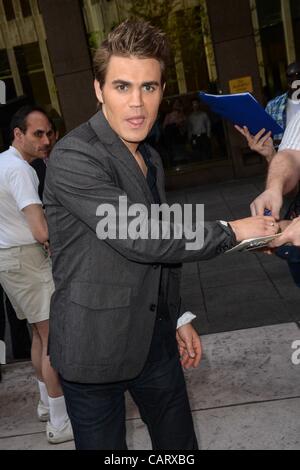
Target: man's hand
x=271, y=200
x=189, y=346
x=290, y=235
x=261, y=143
x=254, y=227
x=47, y=249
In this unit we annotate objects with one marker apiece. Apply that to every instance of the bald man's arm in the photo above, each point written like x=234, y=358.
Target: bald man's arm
x=283, y=177
x=36, y=220
x=284, y=171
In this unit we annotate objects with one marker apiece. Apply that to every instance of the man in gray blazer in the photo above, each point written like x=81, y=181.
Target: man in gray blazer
x=117, y=299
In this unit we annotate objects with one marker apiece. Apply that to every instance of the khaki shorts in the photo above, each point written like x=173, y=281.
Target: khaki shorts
x=26, y=277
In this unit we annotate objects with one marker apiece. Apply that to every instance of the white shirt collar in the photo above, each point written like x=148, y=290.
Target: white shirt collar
x=16, y=153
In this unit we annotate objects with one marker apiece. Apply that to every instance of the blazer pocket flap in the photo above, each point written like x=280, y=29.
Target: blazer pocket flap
x=100, y=296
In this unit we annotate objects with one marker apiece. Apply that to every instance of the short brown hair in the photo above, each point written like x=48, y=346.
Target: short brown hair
x=132, y=38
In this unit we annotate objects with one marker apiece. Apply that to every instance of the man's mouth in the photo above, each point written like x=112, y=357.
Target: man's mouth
x=136, y=122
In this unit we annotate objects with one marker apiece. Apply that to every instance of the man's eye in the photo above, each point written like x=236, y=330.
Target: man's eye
x=38, y=134
x=122, y=87
x=149, y=88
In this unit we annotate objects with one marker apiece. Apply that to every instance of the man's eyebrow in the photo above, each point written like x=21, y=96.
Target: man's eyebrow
x=41, y=131
x=120, y=82
x=153, y=83
x=125, y=82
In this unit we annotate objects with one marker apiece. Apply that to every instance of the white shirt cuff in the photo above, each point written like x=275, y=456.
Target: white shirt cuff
x=186, y=318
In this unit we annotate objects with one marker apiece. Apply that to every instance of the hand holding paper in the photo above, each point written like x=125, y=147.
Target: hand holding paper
x=261, y=143
x=254, y=232
x=254, y=227
x=290, y=236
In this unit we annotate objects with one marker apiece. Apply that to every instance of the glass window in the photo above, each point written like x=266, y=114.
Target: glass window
x=192, y=51
x=273, y=46
x=269, y=12
x=32, y=73
x=25, y=7
x=9, y=10
x=187, y=133
x=6, y=76
x=295, y=7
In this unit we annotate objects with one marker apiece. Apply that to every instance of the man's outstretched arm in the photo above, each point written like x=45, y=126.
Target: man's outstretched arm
x=283, y=177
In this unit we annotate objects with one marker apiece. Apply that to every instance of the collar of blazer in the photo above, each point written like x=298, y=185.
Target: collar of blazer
x=118, y=149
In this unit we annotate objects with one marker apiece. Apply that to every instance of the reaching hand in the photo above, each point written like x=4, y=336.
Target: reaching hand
x=189, y=346
x=270, y=200
x=254, y=227
x=290, y=235
x=261, y=143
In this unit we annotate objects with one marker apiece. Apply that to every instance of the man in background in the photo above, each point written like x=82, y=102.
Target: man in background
x=25, y=267
x=199, y=132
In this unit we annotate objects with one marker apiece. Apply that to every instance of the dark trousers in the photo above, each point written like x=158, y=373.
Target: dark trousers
x=97, y=412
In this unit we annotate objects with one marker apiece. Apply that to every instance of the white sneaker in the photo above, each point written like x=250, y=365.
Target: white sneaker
x=59, y=435
x=43, y=412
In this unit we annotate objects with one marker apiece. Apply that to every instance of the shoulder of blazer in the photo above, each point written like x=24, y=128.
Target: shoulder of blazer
x=92, y=132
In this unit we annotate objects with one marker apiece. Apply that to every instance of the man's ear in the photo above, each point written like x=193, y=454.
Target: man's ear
x=17, y=133
x=98, y=91
x=163, y=91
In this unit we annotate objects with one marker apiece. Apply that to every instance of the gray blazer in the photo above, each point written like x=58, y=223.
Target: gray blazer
x=106, y=292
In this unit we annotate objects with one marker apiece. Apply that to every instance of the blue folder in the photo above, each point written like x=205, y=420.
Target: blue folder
x=242, y=109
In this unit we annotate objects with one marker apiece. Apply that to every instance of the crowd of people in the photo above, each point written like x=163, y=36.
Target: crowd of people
x=117, y=322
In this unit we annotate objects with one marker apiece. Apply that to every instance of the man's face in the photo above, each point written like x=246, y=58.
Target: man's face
x=39, y=138
x=131, y=97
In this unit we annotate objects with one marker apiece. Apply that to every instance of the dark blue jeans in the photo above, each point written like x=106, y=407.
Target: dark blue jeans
x=97, y=411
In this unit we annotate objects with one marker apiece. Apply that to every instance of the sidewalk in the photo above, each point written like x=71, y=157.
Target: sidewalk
x=245, y=395
x=246, y=392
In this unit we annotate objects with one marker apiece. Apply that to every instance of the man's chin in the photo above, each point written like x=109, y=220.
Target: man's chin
x=42, y=155
x=136, y=139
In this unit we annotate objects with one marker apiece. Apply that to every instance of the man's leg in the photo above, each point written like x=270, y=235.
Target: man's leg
x=58, y=427
x=48, y=373
x=36, y=353
x=160, y=393
x=97, y=414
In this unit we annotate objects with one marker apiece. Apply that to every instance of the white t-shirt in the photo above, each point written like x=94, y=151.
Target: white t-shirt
x=18, y=189
x=293, y=107
x=291, y=138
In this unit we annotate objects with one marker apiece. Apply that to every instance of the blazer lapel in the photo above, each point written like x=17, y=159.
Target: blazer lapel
x=119, y=150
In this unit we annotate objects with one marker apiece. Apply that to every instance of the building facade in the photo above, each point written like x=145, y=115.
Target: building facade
x=219, y=46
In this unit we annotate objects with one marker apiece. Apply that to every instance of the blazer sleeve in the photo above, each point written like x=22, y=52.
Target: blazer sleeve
x=81, y=182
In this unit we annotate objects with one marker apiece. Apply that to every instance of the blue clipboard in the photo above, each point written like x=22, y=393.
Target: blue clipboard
x=242, y=109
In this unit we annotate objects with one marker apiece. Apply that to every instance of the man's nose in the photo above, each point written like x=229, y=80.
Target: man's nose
x=45, y=140
x=136, y=99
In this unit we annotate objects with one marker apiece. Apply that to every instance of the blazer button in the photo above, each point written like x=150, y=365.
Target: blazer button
x=152, y=307
x=155, y=266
